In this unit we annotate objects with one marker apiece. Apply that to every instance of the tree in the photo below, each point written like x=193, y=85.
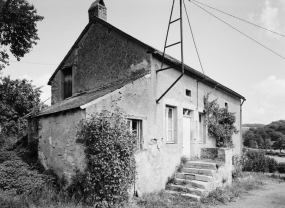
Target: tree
x=279, y=144
x=267, y=144
x=17, y=98
x=18, y=29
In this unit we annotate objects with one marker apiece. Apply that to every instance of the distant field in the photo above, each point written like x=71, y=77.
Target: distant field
x=278, y=159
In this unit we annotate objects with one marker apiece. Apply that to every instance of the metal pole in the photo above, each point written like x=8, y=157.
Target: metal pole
x=167, y=33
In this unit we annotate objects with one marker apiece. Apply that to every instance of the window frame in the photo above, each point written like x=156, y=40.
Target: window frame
x=167, y=108
x=202, y=129
x=67, y=72
x=139, y=142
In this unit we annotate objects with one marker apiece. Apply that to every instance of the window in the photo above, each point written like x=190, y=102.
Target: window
x=188, y=93
x=67, y=83
x=169, y=124
x=202, y=129
x=136, y=128
x=226, y=104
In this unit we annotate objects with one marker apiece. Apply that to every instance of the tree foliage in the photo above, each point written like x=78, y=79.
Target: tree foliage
x=18, y=28
x=220, y=122
x=17, y=98
x=109, y=151
x=279, y=144
x=264, y=136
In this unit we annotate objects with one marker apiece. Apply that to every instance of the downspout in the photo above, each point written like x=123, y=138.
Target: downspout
x=241, y=145
x=197, y=94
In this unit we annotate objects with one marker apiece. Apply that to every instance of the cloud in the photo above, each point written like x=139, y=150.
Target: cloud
x=272, y=87
x=267, y=101
x=270, y=19
x=41, y=82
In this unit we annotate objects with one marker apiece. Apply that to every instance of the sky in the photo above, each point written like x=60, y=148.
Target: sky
x=227, y=56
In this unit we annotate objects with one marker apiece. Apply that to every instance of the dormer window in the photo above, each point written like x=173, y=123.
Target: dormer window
x=67, y=82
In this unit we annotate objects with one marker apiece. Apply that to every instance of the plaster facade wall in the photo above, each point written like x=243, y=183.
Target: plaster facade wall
x=101, y=58
x=155, y=161
x=57, y=142
x=176, y=98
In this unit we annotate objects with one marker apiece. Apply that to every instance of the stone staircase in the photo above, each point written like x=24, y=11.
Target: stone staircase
x=195, y=179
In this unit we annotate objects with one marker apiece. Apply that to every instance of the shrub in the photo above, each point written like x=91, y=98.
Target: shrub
x=16, y=177
x=255, y=161
x=109, y=151
x=281, y=167
x=8, y=155
x=272, y=165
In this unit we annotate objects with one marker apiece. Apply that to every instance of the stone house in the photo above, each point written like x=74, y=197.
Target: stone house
x=107, y=68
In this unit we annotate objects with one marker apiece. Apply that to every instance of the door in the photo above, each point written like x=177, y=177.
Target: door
x=186, y=136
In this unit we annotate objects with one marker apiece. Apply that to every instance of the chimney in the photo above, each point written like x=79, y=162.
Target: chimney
x=98, y=9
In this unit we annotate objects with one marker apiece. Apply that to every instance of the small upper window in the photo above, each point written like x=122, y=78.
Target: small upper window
x=67, y=83
x=226, y=104
x=188, y=93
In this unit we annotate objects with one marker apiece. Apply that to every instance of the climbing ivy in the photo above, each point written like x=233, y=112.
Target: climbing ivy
x=110, y=158
x=220, y=122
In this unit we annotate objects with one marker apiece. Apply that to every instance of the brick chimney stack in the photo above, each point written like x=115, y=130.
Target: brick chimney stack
x=98, y=9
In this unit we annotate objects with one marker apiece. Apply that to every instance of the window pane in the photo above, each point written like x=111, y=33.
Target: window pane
x=186, y=112
x=67, y=80
x=170, y=111
x=170, y=123
x=135, y=125
x=170, y=139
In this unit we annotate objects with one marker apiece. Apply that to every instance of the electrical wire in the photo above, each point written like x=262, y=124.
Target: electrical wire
x=238, y=30
x=238, y=18
x=194, y=39
x=30, y=63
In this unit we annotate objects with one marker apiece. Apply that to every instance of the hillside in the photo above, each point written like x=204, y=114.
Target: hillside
x=263, y=136
x=253, y=125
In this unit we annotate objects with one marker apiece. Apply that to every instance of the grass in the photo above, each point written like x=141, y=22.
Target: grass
x=49, y=199
x=248, y=182
x=278, y=159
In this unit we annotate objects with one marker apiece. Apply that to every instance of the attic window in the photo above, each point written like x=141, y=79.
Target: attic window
x=188, y=93
x=67, y=82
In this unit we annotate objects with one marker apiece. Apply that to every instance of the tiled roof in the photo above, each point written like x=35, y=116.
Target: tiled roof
x=80, y=99
x=188, y=70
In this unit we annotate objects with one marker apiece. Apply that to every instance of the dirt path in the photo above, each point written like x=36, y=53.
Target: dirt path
x=271, y=195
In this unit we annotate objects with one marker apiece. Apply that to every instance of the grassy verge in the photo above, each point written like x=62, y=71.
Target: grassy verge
x=46, y=198
x=248, y=181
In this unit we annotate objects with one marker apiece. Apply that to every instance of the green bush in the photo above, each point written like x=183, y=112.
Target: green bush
x=255, y=161
x=281, y=167
x=16, y=177
x=8, y=155
x=109, y=151
x=272, y=165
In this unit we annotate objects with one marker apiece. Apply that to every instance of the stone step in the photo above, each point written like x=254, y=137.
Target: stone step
x=192, y=183
x=201, y=165
x=187, y=195
x=186, y=189
x=192, y=176
x=206, y=172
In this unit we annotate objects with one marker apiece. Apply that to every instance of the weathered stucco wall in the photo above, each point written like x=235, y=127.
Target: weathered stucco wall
x=222, y=177
x=102, y=57
x=176, y=97
x=57, y=142
x=155, y=162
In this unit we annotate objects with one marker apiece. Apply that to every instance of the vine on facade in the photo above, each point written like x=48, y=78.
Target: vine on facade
x=220, y=122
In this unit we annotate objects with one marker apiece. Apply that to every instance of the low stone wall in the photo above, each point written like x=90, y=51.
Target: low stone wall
x=223, y=157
